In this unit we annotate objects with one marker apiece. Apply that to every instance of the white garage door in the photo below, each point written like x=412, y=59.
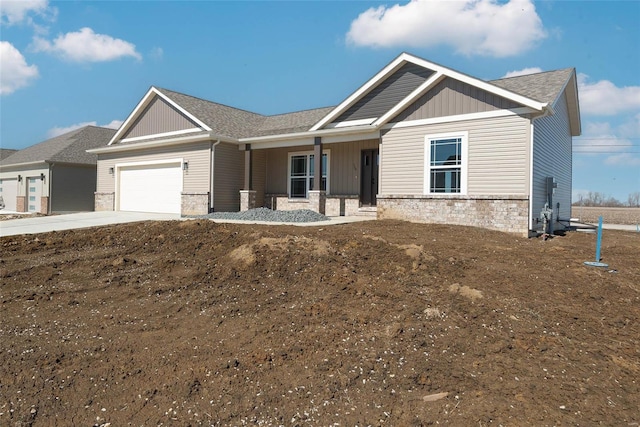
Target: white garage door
x=152, y=188
x=9, y=193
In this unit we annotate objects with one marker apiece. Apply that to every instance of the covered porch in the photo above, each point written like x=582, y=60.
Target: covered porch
x=335, y=178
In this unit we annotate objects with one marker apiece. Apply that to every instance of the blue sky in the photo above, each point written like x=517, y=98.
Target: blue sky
x=66, y=64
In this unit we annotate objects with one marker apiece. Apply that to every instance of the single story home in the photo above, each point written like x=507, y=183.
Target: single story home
x=417, y=141
x=54, y=176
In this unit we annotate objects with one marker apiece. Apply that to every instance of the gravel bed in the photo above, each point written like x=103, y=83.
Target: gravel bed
x=265, y=214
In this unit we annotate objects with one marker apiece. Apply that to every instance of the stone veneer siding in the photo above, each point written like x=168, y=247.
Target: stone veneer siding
x=342, y=205
x=44, y=204
x=21, y=203
x=503, y=213
x=247, y=200
x=104, y=201
x=194, y=203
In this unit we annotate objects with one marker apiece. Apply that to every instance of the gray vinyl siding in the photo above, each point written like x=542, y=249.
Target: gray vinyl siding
x=72, y=188
x=158, y=117
x=552, y=145
x=388, y=93
x=196, y=178
x=228, y=177
x=452, y=97
x=497, y=164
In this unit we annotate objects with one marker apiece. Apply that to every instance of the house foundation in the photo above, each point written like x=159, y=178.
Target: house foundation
x=194, y=203
x=104, y=201
x=247, y=200
x=503, y=213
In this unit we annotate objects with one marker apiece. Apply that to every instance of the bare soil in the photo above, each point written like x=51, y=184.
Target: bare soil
x=628, y=216
x=375, y=323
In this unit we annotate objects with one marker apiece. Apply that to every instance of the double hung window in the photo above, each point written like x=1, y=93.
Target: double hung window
x=301, y=173
x=445, y=169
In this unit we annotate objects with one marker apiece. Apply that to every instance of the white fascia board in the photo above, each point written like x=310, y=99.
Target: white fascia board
x=161, y=143
x=146, y=99
x=481, y=84
x=161, y=135
x=417, y=93
x=308, y=134
x=370, y=84
x=349, y=123
x=134, y=114
x=21, y=165
x=461, y=117
x=183, y=111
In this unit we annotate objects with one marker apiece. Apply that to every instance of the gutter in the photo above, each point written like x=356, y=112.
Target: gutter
x=162, y=143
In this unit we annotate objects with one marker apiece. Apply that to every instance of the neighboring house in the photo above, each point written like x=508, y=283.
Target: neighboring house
x=418, y=141
x=57, y=175
x=6, y=152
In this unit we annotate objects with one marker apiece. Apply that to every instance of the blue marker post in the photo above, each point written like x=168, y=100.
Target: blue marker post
x=597, y=262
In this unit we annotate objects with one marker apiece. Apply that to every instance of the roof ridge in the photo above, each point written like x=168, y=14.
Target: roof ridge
x=531, y=74
x=208, y=101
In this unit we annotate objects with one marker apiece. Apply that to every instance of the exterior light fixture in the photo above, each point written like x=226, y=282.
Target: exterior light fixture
x=110, y=171
x=41, y=177
x=185, y=166
x=19, y=178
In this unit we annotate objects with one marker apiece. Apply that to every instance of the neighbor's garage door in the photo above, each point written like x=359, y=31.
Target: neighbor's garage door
x=9, y=193
x=152, y=188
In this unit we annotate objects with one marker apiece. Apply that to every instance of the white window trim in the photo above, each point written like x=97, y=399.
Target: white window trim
x=306, y=153
x=464, y=150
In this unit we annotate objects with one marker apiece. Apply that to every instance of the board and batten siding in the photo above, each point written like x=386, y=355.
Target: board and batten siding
x=498, y=152
x=228, y=177
x=196, y=178
x=388, y=93
x=159, y=117
x=451, y=97
x=552, y=146
x=277, y=168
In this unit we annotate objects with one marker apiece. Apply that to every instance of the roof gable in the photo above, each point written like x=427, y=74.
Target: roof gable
x=439, y=73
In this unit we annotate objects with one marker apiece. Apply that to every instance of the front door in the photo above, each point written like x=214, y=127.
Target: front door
x=369, y=177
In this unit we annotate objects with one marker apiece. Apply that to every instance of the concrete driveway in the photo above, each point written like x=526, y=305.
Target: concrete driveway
x=44, y=224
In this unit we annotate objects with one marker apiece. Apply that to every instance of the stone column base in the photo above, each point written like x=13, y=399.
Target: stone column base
x=247, y=200
x=21, y=204
x=318, y=201
x=104, y=201
x=44, y=205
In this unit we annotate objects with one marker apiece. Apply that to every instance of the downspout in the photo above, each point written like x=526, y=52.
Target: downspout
x=50, y=178
x=211, y=188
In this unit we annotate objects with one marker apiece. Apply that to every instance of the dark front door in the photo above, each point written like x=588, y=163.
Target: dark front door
x=369, y=160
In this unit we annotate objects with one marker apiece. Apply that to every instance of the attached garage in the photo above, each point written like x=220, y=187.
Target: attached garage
x=9, y=193
x=150, y=188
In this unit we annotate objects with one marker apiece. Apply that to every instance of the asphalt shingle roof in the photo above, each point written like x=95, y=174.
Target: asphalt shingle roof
x=67, y=148
x=237, y=123
x=542, y=87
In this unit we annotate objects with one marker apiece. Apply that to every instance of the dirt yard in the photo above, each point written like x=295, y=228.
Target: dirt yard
x=376, y=323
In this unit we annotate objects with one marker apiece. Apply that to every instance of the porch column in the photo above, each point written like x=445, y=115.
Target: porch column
x=248, y=194
x=317, y=196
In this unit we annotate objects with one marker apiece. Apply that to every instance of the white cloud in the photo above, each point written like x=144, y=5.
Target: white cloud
x=471, y=27
x=87, y=46
x=16, y=11
x=15, y=71
x=523, y=72
x=56, y=131
x=604, y=98
x=622, y=160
